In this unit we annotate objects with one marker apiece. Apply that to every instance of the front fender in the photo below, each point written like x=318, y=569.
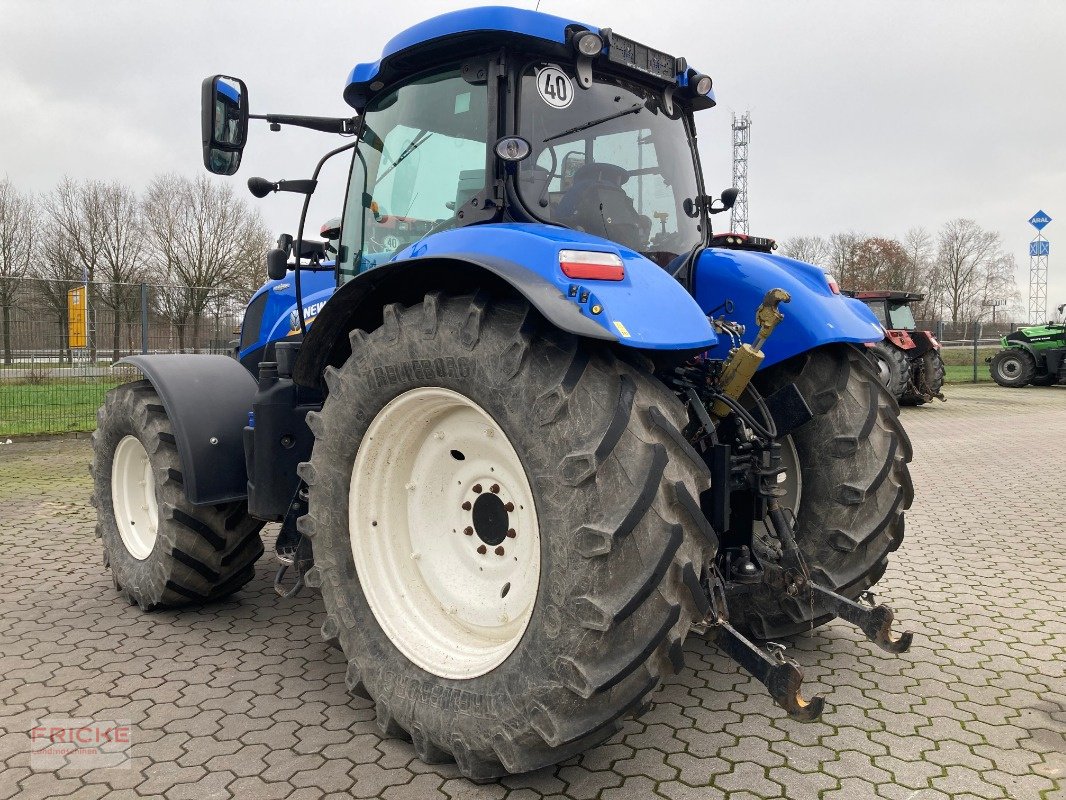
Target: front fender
x=815, y=316
x=207, y=399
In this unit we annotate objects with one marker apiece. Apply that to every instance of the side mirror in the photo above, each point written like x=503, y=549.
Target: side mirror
x=729, y=197
x=223, y=123
x=277, y=263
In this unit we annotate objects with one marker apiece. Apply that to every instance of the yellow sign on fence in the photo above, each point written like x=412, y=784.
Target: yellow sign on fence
x=77, y=318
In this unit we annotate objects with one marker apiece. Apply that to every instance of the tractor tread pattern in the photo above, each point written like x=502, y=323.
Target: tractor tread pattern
x=202, y=553
x=628, y=597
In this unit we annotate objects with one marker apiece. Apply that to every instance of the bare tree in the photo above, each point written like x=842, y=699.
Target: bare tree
x=122, y=255
x=921, y=251
x=75, y=212
x=812, y=249
x=59, y=270
x=966, y=254
x=843, y=259
x=202, y=239
x=17, y=213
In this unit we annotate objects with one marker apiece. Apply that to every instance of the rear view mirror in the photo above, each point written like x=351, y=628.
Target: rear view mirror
x=223, y=123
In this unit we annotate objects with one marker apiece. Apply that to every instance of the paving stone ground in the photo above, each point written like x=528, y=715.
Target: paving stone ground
x=243, y=700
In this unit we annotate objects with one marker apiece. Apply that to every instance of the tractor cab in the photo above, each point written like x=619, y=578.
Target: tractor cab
x=891, y=308
x=584, y=129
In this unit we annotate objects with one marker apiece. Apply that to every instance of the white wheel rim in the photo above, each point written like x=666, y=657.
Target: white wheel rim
x=133, y=497
x=444, y=533
x=792, y=478
x=884, y=371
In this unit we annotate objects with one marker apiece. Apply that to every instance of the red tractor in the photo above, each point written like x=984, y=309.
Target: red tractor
x=908, y=359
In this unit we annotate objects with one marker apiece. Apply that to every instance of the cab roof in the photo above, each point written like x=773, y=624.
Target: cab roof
x=458, y=32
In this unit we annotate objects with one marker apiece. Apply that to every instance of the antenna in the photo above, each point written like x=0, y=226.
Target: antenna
x=741, y=139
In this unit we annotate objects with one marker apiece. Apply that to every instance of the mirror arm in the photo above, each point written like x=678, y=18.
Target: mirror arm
x=325, y=124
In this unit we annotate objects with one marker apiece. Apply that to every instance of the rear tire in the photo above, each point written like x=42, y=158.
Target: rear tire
x=1012, y=367
x=615, y=487
x=929, y=380
x=162, y=550
x=893, y=368
x=856, y=484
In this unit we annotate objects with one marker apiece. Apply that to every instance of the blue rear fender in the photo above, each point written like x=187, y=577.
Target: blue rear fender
x=647, y=309
x=815, y=316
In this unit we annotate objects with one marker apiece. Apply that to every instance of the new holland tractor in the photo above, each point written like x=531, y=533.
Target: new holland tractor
x=528, y=429
x=1034, y=355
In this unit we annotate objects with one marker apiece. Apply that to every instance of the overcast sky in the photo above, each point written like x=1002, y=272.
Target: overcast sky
x=867, y=116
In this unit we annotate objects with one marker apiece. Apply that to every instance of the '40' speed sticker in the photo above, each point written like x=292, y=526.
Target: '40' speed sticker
x=554, y=87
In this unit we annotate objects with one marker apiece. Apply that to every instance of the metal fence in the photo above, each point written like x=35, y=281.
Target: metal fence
x=59, y=340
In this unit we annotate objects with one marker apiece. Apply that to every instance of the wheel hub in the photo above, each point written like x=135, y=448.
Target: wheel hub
x=133, y=497
x=444, y=532
x=490, y=519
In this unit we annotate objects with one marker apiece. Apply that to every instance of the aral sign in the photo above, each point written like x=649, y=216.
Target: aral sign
x=1039, y=220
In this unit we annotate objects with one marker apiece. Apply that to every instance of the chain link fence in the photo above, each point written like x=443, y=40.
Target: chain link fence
x=59, y=340
x=967, y=345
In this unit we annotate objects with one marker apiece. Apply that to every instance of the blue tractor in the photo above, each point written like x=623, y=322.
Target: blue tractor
x=528, y=425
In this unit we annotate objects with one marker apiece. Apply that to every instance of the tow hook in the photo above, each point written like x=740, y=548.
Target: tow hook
x=873, y=620
x=781, y=676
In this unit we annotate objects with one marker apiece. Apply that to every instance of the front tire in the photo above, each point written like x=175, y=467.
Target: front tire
x=852, y=460
x=528, y=625
x=1012, y=367
x=162, y=550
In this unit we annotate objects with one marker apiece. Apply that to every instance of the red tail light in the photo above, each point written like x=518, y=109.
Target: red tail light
x=591, y=266
x=833, y=287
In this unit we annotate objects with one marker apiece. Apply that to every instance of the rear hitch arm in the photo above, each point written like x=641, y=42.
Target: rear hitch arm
x=873, y=620
x=781, y=676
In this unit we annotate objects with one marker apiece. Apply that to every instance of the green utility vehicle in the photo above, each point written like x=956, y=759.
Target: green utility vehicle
x=1035, y=355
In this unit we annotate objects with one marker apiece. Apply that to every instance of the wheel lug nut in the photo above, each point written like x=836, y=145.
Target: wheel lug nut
x=477, y=488
x=495, y=488
x=511, y=533
x=468, y=531
x=482, y=549
x=499, y=551
x=509, y=507
x=466, y=506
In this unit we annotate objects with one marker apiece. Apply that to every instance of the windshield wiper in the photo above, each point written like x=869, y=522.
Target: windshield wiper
x=633, y=109
x=417, y=142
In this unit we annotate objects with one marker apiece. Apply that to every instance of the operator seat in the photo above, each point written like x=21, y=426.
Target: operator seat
x=596, y=203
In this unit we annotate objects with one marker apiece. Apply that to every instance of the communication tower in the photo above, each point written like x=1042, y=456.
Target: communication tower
x=741, y=139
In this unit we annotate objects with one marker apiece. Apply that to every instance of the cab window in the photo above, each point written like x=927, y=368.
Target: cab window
x=421, y=157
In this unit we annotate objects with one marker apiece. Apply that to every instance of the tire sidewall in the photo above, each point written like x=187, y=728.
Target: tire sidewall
x=140, y=576
x=1021, y=358
x=408, y=692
